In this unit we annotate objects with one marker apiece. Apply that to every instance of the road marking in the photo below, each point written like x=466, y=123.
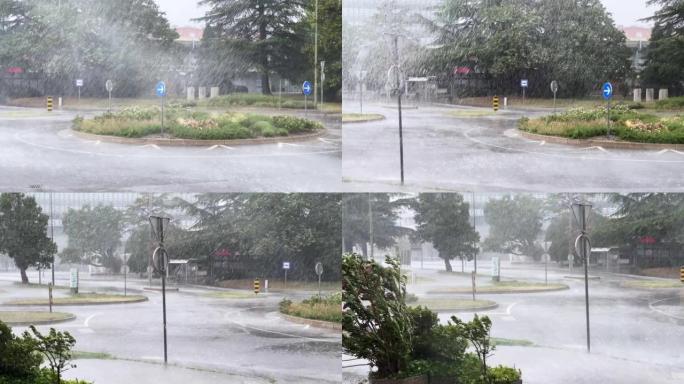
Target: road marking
x=87, y=320
x=155, y=146
x=510, y=308
x=664, y=151
x=275, y=332
x=213, y=147
x=596, y=147
x=651, y=305
x=543, y=142
x=329, y=141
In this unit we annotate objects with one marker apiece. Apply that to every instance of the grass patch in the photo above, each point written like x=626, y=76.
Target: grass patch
x=652, y=284
x=627, y=124
x=358, y=117
x=82, y=299
x=453, y=304
x=506, y=287
x=182, y=123
x=258, y=101
x=673, y=103
x=471, y=113
x=498, y=341
x=327, y=308
x=233, y=295
x=33, y=317
x=81, y=355
x=40, y=286
x=278, y=285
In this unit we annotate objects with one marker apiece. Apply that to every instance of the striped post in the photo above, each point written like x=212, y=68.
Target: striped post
x=495, y=103
x=681, y=274
x=257, y=286
x=49, y=103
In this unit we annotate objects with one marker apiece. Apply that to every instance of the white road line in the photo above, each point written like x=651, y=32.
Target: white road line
x=542, y=143
x=87, y=320
x=213, y=147
x=596, y=147
x=155, y=146
x=651, y=305
x=664, y=151
x=276, y=332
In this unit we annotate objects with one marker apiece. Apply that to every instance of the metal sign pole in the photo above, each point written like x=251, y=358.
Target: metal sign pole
x=401, y=128
x=162, y=116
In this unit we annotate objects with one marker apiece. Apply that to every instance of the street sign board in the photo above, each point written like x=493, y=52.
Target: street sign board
x=109, y=85
x=319, y=268
x=524, y=83
x=73, y=282
x=307, y=88
x=286, y=265
x=160, y=260
x=607, y=91
x=496, y=264
x=79, y=82
x=161, y=89
x=554, y=86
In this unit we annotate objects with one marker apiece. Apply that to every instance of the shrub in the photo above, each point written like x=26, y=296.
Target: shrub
x=295, y=124
x=671, y=103
x=504, y=375
x=18, y=356
x=326, y=308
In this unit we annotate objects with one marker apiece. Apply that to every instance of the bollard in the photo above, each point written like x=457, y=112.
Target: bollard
x=637, y=95
x=202, y=93
x=649, y=94
x=214, y=92
x=191, y=94
x=663, y=94
x=506, y=102
x=49, y=103
x=681, y=274
x=265, y=286
x=256, y=286
x=495, y=103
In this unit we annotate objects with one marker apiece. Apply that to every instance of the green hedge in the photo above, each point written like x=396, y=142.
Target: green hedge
x=326, y=308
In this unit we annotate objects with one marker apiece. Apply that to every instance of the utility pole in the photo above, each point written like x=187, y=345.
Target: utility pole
x=370, y=226
x=316, y=57
x=52, y=237
x=474, y=228
x=399, y=92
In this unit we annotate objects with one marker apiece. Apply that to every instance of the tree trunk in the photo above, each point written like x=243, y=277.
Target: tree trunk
x=263, y=35
x=24, y=277
x=447, y=264
x=266, y=82
x=462, y=265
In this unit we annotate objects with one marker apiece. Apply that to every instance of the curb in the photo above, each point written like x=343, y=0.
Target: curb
x=582, y=277
x=364, y=121
x=601, y=143
x=42, y=322
x=313, y=323
x=77, y=304
x=498, y=292
x=155, y=289
x=471, y=309
x=198, y=143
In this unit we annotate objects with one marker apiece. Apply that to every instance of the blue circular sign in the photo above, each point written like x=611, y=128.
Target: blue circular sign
x=161, y=89
x=607, y=91
x=307, y=88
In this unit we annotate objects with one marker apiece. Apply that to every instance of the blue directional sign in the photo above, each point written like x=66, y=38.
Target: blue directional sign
x=607, y=91
x=161, y=89
x=307, y=88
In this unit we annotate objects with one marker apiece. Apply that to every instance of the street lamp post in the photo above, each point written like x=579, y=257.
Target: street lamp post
x=160, y=263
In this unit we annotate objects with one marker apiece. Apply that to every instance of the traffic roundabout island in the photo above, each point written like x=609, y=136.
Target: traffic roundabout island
x=454, y=305
x=350, y=118
x=80, y=299
x=23, y=318
x=619, y=127
x=652, y=284
x=504, y=287
x=183, y=127
x=317, y=311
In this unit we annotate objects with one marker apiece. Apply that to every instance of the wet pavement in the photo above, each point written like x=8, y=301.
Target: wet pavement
x=633, y=331
x=40, y=152
x=486, y=153
x=230, y=338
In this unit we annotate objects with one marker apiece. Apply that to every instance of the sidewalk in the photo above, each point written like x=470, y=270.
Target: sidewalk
x=127, y=372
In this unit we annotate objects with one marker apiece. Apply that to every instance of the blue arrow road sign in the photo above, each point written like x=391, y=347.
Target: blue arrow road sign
x=161, y=89
x=307, y=88
x=607, y=91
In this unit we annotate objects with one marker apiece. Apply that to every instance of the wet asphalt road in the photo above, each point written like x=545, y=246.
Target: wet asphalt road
x=232, y=337
x=635, y=334
x=40, y=152
x=443, y=152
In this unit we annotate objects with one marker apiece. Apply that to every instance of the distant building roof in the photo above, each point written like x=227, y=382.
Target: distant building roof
x=635, y=33
x=190, y=34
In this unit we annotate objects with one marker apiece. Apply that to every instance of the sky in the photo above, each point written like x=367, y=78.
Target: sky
x=625, y=12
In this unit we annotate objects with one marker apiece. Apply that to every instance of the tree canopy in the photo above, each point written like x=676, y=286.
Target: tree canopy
x=666, y=50
x=515, y=225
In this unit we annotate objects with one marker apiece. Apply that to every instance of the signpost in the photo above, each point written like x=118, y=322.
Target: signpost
x=160, y=262
x=362, y=78
x=554, y=89
x=319, y=272
x=74, y=280
x=161, y=92
x=607, y=95
x=395, y=78
x=524, y=83
x=473, y=275
x=496, y=268
x=109, y=85
x=322, y=81
x=307, y=90
x=583, y=250
x=286, y=267
x=79, y=84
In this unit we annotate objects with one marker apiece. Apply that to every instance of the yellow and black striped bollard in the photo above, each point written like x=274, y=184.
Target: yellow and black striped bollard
x=495, y=103
x=49, y=103
x=257, y=286
x=681, y=274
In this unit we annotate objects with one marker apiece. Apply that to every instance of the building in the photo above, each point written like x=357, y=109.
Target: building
x=638, y=42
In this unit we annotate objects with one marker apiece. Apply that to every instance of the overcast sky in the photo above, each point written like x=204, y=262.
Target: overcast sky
x=625, y=12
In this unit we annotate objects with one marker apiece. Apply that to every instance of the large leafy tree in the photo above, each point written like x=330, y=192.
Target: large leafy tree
x=444, y=220
x=574, y=42
x=329, y=43
x=263, y=35
x=23, y=233
x=95, y=235
x=515, y=225
x=360, y=210
x=666, y=51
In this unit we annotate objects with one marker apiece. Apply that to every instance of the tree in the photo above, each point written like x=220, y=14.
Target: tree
x=56, y=347
x=574, y=42
x=23, y=233
x=444, y=220
x=666, y=49
x=262, y=33
x=477, y=333
x=329, y=43
x=94, y=236
x=17, y=354
x=357, y=221
x=515, y=225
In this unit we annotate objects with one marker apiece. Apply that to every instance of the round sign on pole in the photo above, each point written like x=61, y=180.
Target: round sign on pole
x=554, y=86
x=607, y=91
x=319, y=268
x=109, y=85
x=160, y=260
x=161, y=89
x=395, y=79
x=307, y=88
